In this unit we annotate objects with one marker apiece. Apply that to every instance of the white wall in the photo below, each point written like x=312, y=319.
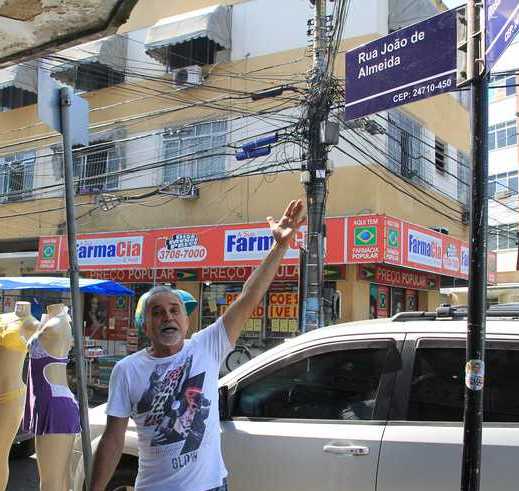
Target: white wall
x=503, y=160
x=263, y=27
x=502, y=110
x=506, y=260
x=45, y=174
x=138, y=61
x=140, y=152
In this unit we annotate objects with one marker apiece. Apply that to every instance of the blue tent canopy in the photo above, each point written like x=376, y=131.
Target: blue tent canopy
x=99, y=287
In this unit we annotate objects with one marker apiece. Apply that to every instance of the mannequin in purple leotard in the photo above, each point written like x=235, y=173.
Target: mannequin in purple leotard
x=52, y=412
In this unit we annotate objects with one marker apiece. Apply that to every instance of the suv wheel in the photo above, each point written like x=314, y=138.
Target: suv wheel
x=122, y=480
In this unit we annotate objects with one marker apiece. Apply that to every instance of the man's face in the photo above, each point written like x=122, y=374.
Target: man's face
x=166, y=323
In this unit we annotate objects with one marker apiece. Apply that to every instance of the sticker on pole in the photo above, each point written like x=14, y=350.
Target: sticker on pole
x=475, y=374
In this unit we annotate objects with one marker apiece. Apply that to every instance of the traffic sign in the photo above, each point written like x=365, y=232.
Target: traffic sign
x=502, y=24
x=408, y=65
x=48, y=100
x=49, y=108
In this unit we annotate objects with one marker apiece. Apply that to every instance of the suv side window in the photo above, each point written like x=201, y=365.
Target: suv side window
x=437, y=386
x=335, y=385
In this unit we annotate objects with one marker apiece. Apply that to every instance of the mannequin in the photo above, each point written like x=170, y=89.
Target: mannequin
x=51, y=411
x=15, y=329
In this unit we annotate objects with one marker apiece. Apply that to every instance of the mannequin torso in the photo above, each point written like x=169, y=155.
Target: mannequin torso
x=55, y=337
x=15, y=329
x=52, y=413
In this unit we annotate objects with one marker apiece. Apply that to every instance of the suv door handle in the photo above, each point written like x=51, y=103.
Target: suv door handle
x=354, y=450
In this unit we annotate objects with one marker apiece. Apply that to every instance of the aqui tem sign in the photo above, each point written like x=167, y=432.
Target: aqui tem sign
x=410, y=64
x=502, y=24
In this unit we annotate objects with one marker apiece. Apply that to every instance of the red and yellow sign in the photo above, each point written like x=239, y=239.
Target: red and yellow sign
x=193, y=247
x=383, y=239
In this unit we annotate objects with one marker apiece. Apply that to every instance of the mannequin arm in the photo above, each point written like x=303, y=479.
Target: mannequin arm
x=108, y=452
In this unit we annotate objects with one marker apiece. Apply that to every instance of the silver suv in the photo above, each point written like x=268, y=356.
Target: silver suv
x=374, y=405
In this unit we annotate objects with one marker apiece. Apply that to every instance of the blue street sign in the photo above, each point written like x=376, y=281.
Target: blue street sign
x=502, y=24
x=413, y=63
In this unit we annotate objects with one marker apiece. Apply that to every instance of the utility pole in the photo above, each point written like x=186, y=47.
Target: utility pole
x=476, y=320
x=314, y=177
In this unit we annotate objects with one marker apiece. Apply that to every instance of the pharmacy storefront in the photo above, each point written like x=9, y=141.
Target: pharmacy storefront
x=401, y=264
x=375, y=266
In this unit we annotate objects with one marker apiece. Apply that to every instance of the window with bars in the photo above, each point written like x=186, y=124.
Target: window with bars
x=502, y=135
x=12, y=97
x=95, y=168
x=17, y=176
x=464, y=177
x=504, y=184
x=502, y=237
x=196, y=151
x=440, y=154
x=405, y=144
x=502, y=86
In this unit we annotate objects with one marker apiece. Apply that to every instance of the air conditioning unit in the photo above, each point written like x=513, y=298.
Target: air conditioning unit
x=189, y=76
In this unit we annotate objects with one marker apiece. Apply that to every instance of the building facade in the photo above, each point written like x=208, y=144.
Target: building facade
x=503, y=175
x=173, y=99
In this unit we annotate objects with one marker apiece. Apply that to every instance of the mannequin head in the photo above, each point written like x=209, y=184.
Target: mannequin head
x=55, y=309
x=22, y=309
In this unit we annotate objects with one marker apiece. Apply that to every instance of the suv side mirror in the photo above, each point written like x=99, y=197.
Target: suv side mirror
x=223, y=403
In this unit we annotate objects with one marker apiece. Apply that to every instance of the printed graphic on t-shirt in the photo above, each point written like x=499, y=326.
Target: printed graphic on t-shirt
x=175, y=405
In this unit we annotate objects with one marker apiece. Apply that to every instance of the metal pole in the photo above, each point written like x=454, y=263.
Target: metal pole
x=77, y=320
x=476, y=321
x=316, y=184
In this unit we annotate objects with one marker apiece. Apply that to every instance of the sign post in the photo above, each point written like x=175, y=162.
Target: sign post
x=58, y=108
x=477, y=291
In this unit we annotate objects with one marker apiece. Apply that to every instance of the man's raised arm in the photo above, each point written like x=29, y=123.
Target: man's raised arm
x=257, y=285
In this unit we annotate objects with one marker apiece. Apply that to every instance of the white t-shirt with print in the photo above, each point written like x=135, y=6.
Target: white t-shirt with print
x=174, y=403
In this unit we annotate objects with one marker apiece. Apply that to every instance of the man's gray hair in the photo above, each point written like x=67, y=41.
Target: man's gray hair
x=142, y=305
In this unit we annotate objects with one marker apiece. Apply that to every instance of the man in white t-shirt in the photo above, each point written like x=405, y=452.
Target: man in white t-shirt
x=170, y=389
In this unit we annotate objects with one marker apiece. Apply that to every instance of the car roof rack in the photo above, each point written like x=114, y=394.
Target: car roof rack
x=452, y=312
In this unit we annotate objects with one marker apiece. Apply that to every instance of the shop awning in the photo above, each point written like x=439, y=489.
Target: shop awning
x=213, y=23
x=7, y=77
x=111, y=52
x=22, y=76
x=99, y=287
